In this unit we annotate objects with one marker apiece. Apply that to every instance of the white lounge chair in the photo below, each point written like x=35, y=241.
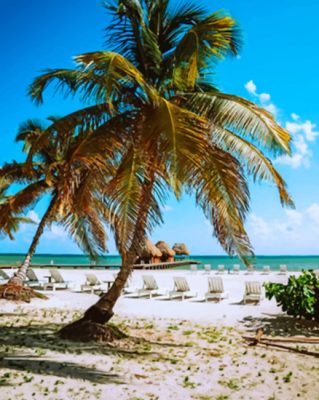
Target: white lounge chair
x=91, y=284
x=266, y=270
x=250, y=270
x=215, y=289
x=207, y=268
x=181, y=289
x=3, y=275
x=193, y=268
x=150, y=287
x=33, y=280
x=236, y=268
x=283, y=269
x=221, y=269
x=253, y=292
x=57, y=281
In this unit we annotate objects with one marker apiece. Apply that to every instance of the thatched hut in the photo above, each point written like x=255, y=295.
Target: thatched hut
x=150, y=254
x=181, y=249
x=167, y=253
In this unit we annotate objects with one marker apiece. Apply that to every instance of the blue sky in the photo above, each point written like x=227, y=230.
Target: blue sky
x=277, y=68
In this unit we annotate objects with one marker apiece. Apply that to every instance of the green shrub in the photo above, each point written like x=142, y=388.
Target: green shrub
x=300, y=297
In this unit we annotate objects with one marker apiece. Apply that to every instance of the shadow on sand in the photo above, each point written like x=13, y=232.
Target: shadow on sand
x=40, y=365
x=282, y=325
x=24, y=347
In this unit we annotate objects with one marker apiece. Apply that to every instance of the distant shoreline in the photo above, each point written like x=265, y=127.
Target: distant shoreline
x=294, y=263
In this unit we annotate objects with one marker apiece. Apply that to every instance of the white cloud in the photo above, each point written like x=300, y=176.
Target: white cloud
x=55, y=232
x=251, y=87
x=295, y=232
x=259, y=225
x=306, y=128
x=302, y=132
x=294, y=116
x=301, y=156
x=34, y=216
x=264, y=98
x=271, y=108
x=295, y=217
x=313, y=213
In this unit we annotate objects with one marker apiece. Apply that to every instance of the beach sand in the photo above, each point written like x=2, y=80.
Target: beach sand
x=175, y=349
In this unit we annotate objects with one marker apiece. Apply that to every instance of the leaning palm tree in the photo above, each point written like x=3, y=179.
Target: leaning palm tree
x=68, y=172
x=179, y=132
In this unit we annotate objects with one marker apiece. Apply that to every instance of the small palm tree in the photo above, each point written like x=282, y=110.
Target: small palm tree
x=68, y=172
x=177, y=131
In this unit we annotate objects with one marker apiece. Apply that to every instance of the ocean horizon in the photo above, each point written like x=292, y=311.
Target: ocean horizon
x=293, y=262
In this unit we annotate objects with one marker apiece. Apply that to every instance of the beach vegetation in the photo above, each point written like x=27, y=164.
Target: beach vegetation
x=153, y=123
x=299, y=297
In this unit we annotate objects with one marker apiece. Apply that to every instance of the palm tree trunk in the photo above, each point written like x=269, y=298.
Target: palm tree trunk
x=102, y=311
x=20, y=275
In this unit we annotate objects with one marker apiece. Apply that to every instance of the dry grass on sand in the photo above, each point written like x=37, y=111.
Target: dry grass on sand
x=162, y=359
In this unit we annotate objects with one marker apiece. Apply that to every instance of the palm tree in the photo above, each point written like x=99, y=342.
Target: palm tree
x=178, y=131
x=9, y=220
x=68, y=172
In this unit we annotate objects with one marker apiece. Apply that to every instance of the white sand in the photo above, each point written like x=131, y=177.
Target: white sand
x=176, y=350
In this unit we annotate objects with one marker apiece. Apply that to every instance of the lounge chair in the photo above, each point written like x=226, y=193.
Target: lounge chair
x=193, y=268
x=252, y=292
x=33, y=280
x=91, y=284
x=236, y=268
x=215, y=289
x=250, y=270
x=3, y=275
x=181, y=289
x=207, y=268
x=150, y=287
x=282, y=269
x=266, y=270
x=57, y=281
x=221, y=269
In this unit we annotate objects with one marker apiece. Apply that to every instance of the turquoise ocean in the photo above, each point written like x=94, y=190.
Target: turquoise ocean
x=294, y=263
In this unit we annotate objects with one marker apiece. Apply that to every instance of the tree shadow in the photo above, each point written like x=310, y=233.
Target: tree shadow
x=281, y=325
x=63, y=369
x=42, y=337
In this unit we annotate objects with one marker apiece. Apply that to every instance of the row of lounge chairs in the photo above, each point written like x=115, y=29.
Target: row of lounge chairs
x=236, y=269
x=253, y=289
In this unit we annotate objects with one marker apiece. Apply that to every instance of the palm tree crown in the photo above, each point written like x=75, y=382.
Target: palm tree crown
x=154, y=108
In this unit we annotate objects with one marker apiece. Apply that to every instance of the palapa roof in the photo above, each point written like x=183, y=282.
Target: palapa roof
x=150, y=249
x=181, y=249
x=165, y=248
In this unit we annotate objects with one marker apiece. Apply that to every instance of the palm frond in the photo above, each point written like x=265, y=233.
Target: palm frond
x=27, y=197
x=179, y=134
x=256, y=163
x=130, y=35
x=241, y=116
x=101, y=76
x=210, y=39
x=87, y=232
x=222, y=193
